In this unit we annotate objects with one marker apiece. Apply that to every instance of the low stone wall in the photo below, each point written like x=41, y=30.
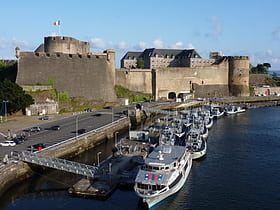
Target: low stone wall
x=15, y=172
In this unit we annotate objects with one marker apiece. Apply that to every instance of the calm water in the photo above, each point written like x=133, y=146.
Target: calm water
x=241, y=171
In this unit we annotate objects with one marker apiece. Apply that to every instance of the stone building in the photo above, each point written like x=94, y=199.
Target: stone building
x=217, y=76
x=72, y=67
x=160, y=58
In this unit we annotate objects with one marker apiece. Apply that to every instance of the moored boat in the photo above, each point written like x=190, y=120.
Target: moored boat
x=165, y=171
x=234, y=110
x=196, y=145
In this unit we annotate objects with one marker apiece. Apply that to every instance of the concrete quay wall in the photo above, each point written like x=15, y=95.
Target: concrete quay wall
x=15, y=172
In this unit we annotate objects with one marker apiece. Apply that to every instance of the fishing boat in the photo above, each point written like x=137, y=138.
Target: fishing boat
x=164, y=173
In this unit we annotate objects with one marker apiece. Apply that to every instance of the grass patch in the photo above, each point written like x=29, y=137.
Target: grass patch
x=133, y=96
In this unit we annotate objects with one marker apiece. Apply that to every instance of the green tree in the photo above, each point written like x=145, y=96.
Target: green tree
x=51, y=82
x=276, y=78
x=260, y=69
x=140, y=63
x=267, y=65
x=15, y=95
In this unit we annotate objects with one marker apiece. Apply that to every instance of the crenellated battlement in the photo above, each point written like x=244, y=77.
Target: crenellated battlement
x=58, y=55
x=238, y=57
x=65, y=44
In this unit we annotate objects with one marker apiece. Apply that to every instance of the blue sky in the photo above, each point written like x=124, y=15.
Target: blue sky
x=238, y=27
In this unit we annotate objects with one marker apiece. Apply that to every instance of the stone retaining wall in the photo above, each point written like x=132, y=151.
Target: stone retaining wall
x=16, y=172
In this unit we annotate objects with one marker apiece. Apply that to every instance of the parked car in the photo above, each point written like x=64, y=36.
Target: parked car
x=38, y=147
x=17, y=140
x=89, y=110
x=45, y=118
x=56, y=127
x=33, y=129
x=7, y=143
x=81, y=131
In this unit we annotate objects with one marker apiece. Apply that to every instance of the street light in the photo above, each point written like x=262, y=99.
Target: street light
x=116, y=139
x=112, y=114
x=76, y=126
x=98, y=156
x=5, y=103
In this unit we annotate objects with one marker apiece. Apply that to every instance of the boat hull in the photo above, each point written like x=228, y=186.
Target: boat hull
x=199, y=154
x=152, y=201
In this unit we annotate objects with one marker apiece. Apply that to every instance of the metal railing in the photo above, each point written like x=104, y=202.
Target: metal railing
x=159, y=111
x=56, y=163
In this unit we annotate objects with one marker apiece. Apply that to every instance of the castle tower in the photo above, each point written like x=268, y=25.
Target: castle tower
x=66, y=45
x=238, y=79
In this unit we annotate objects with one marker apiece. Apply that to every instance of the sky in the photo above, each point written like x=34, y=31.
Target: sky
x=238, y=27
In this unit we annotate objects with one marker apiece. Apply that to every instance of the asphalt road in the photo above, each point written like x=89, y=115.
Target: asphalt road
x=68, y=127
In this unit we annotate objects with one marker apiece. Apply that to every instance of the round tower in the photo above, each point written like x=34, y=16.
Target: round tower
x=62, y=44
x=239, y=75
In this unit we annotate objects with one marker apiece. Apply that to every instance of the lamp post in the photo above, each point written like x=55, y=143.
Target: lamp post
x=5, y=103
x=116, y=139
x=98, y=160
x=76, y=126
x=112, y=114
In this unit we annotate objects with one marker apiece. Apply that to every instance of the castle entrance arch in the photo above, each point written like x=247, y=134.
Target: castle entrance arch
x=181, y=95
x=172, y=95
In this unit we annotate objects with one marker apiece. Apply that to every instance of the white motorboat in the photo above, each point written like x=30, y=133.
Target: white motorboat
x=165, y=171
x=196, y=145
x=234, y=110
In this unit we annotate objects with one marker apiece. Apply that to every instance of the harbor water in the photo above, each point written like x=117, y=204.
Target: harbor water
x=240, y=171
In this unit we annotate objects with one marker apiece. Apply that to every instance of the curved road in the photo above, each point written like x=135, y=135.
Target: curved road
x=69, y=125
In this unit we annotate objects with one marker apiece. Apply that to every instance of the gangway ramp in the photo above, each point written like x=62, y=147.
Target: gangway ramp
x=56, y=163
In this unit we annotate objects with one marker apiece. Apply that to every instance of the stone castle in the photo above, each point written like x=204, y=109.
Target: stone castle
x=183, y=74
x=168, y=74
x=71, y=66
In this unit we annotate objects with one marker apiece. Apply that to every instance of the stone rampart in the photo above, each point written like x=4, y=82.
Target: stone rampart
x=66, y=45
x=229, y=76
x=135, y=79
x=91, y=75
x=184, y=80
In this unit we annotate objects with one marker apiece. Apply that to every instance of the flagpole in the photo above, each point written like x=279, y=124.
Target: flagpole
x=59, y=22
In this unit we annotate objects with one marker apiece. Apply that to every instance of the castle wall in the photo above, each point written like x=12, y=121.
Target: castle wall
x=135, y=79
x=239, y=75
x=66, y=45
x=90, y=75
x=203, y=81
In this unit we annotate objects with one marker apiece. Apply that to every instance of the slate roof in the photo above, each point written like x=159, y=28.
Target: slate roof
x=41, y=48
x=132, y=55
x=152, y=52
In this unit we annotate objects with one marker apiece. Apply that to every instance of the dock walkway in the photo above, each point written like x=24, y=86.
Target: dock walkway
x=107, y=177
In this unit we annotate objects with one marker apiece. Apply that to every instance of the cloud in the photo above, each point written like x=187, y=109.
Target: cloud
x=20, y=43
x=216, y=28
x=269, y=52
x=122, y=46
x=158, y=44
x=276, y=34
x=190, y=46
x=177, y=45
x=98, y=43
x=101, y=44
x=267, y=56
x=2, y=43
x=141, y=46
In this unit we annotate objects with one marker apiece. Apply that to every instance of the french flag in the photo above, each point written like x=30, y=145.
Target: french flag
x=56, y=23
